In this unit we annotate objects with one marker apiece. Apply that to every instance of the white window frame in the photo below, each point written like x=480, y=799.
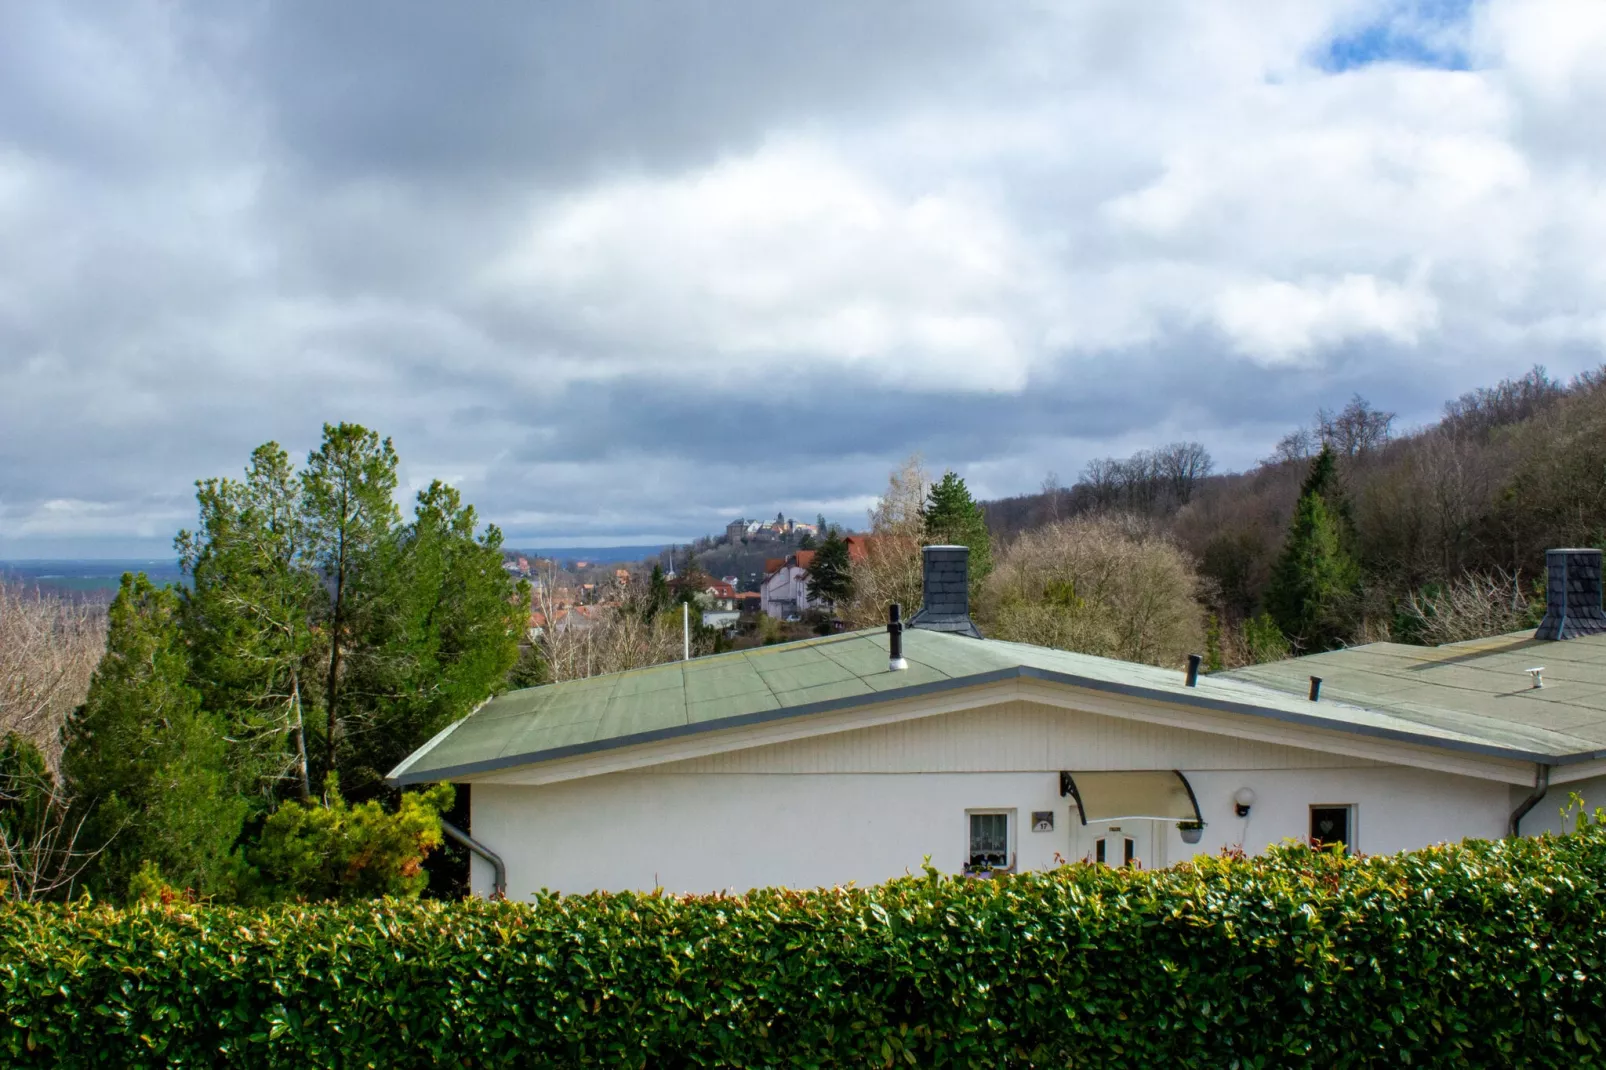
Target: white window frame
x=1011, y=827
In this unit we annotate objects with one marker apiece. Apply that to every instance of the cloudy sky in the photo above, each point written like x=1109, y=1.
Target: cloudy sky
x=625, y=270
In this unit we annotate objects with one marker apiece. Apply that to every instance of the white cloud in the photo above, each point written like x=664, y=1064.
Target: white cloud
x=1276, y=322
x=784, y=254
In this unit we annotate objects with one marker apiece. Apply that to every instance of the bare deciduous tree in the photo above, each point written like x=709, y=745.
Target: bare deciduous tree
x=49, y=647
x=40, y=853
x=1101, y=584
x=1471, y=606
x=1183, y=465
x=889, y=569
x=1355, y=429
x=582, y=641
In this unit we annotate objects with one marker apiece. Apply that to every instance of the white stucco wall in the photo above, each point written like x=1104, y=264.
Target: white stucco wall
x=1546, y=814
x=706, y=832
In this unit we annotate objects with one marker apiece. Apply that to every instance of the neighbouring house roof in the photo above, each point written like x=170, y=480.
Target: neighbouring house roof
x=850, y=670
x=858, y=546
x=772, y=565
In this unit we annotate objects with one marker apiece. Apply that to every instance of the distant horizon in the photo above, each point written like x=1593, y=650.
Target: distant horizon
x=565, y=548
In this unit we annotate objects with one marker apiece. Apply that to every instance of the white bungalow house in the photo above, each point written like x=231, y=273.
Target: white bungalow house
x=856, y=756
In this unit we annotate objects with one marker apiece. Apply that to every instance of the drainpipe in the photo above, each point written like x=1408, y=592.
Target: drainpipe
x=1541, y=785
x=498, y=868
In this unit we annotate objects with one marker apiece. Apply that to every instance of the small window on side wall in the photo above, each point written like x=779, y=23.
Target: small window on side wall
x=989, y=840
x=1333, y=824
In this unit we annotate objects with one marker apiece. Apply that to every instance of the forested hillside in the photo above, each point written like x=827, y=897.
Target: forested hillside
x=1424, y=535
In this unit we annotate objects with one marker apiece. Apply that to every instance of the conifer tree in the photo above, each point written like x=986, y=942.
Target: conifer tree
x=249, y=613
x=658, y=593
x=443, y=636
x=1314, y=582
x=953, y=518
x=144, y=763
x=831, y=573
x=347, y=503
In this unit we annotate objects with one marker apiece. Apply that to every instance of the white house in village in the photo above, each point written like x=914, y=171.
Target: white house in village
x=827, y=761
x=785, y=592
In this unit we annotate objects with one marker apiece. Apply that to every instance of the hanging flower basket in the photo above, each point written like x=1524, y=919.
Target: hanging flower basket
x=1192, y=831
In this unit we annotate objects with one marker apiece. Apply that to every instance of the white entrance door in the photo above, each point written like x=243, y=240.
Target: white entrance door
x=1119, y=843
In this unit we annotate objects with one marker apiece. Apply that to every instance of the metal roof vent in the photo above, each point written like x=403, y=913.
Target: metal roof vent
x=1572, y=595
x=946, y=591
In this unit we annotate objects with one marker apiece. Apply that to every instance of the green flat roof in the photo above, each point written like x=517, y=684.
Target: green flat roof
x=1480, y=686
x=1384, y=690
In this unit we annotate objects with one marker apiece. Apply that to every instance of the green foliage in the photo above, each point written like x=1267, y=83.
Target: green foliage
x=144, y=763
x=248, y=616
x=444, y=635
x=1314, y=584
x=659, y=596
x=327, y=634
x=1263, y=640
x=1475, y=955
x=1213, y=660
x=346, y=501
x=333, y=850
x=831, y=571
x=952, y=518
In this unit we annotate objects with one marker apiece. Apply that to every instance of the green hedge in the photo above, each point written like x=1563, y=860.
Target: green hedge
x=1486, y=954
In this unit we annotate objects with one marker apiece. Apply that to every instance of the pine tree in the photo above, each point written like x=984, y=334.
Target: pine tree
x=443, y=637
x=831, y=572
x=952, y=518
x=658, y=594
x=1313, y=585
x=144, y=763
x=1213, y=661
x=248, y=615
x=347, y=503
x=1323, y=480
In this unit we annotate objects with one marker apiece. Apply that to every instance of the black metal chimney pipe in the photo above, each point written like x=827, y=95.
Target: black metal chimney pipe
x=1193, y=669
x=1315, y=688
x=895, y=660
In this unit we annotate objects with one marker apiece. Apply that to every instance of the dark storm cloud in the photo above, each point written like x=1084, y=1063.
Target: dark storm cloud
x=551, y=92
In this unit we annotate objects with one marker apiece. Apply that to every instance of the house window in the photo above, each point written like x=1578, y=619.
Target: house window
x=989, y=840
x=1333, y=824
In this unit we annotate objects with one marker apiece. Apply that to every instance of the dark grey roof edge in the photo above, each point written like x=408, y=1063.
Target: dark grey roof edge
x=977, y=680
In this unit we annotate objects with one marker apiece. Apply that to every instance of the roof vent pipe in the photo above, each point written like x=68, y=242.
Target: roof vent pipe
x=1194, y=661
x=1315, y=688
x=945, y=591
x=895, y=662
x=1572, y=595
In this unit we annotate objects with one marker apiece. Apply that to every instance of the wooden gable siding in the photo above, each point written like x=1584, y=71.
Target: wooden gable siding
x=1012, y=736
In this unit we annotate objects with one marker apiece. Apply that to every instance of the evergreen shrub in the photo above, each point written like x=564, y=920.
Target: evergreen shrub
x=1479, y=954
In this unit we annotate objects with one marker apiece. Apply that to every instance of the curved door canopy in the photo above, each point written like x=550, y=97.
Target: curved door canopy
x=1156, y=794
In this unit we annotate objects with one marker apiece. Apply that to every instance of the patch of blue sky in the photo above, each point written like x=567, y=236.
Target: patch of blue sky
x=1421, y=33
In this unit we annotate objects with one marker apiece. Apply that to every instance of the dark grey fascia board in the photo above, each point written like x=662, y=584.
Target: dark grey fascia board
x=488, y=765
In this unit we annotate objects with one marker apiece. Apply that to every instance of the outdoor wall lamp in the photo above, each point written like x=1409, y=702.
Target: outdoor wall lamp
x=1242, y=800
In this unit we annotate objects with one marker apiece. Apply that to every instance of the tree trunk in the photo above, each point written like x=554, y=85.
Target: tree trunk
x=301, y=734
x=334, y=655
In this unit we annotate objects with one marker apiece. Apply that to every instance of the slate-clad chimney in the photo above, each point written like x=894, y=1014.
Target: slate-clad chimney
x=946, y=591
x=1572, y=595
